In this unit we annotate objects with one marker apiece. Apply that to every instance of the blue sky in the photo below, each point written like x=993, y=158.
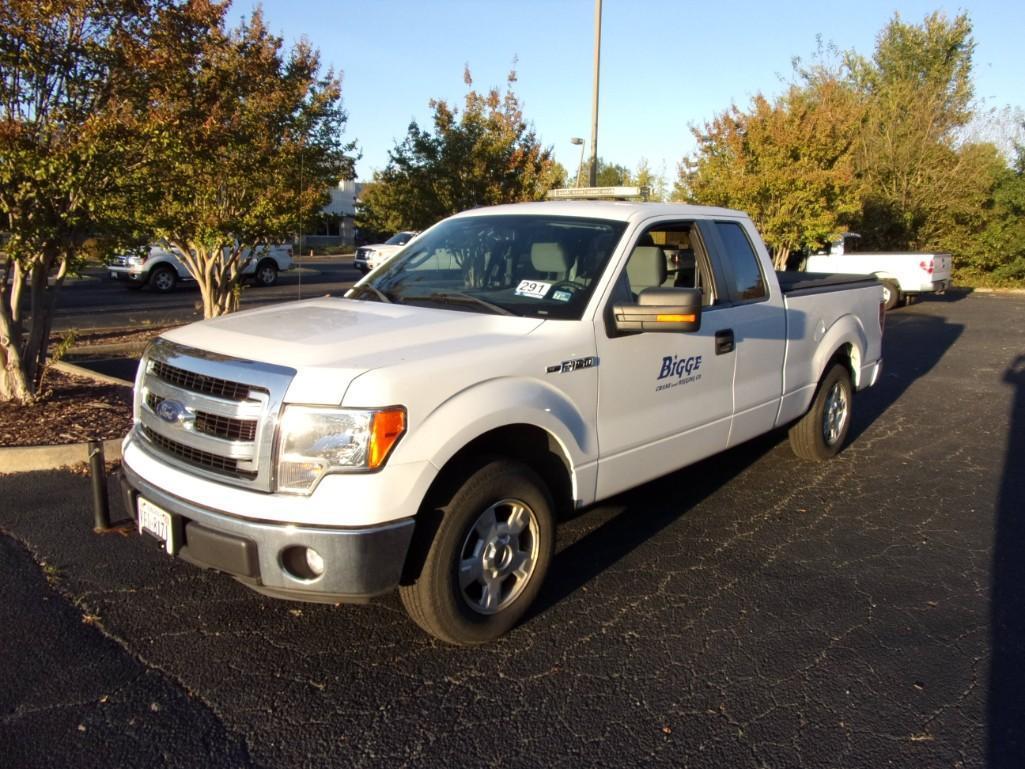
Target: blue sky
x=665, y=65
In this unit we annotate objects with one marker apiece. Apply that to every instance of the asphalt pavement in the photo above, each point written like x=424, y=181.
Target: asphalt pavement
x=750, y=611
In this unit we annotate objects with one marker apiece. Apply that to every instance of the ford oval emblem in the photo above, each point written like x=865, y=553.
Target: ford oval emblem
x=171, y=411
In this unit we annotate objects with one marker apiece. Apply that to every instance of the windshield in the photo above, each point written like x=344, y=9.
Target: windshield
x=399, y=239
x=532, y=266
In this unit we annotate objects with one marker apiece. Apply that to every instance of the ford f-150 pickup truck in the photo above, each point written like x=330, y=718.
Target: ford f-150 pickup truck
x=161, y=269
x=902, y=274
x=426, y=431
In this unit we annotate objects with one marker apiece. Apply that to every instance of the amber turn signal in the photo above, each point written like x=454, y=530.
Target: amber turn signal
x=387, y=428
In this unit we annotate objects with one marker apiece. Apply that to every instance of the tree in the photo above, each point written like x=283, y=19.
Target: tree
x=243, y=142
x=484, y=154
x=609, y=174
x=787, y=162
x=67, y=157
x=918, y=90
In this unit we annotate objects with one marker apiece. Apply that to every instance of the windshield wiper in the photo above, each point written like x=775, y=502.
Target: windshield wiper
x=374, y=290
x=458, y=297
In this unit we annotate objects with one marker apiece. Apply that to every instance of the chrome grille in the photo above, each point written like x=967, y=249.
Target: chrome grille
x=198, y=383
x=213, y=424
x=196, y=457
x=213, y=414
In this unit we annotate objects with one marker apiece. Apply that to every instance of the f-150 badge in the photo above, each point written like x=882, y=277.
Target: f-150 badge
x=573, y=365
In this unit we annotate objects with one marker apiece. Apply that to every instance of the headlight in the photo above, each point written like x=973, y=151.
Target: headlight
x=135, y=261
x=314, y=441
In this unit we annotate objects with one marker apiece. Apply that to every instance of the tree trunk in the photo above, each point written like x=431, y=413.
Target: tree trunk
x=780, y=255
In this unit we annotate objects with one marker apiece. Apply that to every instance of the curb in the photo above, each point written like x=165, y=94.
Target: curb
x=71, y=368
x=25, y=459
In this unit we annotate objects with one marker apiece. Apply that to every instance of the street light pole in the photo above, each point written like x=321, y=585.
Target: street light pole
x=594, y=106
x=576, y=140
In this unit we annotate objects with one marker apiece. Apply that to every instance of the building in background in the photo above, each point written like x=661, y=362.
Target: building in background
x=335, y=226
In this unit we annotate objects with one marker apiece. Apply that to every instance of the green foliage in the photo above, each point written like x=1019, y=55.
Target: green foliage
x=243, y=141
x=482, y=155
x=874, y=145
x=788, y=163
x=67, y=156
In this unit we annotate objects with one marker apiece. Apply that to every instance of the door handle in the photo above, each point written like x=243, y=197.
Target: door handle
x=724, y=342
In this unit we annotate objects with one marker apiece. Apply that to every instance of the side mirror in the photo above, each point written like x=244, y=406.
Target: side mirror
x=661, y=309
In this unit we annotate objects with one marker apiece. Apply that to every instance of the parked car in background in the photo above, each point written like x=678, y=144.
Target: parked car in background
x=903, y=275
x=370, y=257
x=161, y=269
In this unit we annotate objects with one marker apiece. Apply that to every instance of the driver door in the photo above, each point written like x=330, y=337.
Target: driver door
x=665, y=400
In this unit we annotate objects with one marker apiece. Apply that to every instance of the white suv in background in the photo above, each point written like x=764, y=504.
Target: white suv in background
x=370, y=257
x=161, y=269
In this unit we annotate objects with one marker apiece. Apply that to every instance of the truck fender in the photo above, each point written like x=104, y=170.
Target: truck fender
x=496, y=403
x=846, y=335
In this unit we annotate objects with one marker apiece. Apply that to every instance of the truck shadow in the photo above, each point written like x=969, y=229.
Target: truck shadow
x=632, y=518
x=913, y=345
x=1005, y=705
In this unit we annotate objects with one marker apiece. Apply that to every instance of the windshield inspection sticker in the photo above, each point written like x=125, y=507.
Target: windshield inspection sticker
x=678, y=371
x=533, y=288
x=562, y=296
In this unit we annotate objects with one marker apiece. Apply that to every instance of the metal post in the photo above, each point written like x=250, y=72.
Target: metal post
x=594, y=105
x=98, y=471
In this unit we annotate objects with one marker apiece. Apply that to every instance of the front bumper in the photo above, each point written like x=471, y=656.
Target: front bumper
x=127, y=274
x=359, y=563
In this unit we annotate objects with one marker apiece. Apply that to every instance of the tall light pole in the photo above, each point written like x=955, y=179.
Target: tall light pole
x=576, y=140
x=594, y=106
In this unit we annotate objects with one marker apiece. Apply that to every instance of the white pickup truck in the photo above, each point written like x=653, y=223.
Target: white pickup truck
x=903, y=274
x=513, y=363
x=161, y=269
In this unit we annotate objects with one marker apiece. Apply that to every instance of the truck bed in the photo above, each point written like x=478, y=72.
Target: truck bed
x=798, y=283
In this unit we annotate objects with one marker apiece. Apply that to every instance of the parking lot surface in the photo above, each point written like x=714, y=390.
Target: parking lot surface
x=750, y=611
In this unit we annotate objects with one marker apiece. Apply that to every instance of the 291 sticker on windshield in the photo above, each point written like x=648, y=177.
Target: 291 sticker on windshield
x=533, y=288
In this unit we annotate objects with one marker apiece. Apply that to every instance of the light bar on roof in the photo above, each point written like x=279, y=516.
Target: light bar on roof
x=599, y=193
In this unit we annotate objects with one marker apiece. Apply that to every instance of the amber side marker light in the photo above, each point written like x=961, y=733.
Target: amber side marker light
x=385, y=432
x=675, y=318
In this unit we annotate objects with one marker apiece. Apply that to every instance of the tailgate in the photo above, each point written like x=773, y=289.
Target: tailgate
x=941, y=264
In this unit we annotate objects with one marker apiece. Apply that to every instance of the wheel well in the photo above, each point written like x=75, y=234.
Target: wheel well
x=528, y=444
x=844, y=356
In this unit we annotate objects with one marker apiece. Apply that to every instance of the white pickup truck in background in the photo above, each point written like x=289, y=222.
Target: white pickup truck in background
x=514, y=363
x=161, y=269
x=903, y=274
x=370, y=257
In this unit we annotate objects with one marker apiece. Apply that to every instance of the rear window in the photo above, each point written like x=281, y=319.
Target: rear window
x=748, y=283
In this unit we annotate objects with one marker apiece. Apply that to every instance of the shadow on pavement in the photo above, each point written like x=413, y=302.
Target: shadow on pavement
x=1005, y=707
x=663, y=502
x=912, y=345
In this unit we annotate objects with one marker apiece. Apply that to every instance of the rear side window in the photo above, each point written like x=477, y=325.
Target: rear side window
x=748, y=282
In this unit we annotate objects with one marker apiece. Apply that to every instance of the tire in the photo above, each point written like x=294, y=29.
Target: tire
x=487, y=597
x=820, y=433
x=891, y=295
x=162, y=279
x=266, y=274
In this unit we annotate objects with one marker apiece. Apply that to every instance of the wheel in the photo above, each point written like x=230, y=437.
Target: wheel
x=891, y=294
x=821, y=432
x=266, y=273
x=163, y=278
x=488, y=557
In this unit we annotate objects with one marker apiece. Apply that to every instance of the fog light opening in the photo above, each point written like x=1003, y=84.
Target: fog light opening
x=302, y=562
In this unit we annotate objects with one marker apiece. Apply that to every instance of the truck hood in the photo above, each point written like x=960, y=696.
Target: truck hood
x=332, y=341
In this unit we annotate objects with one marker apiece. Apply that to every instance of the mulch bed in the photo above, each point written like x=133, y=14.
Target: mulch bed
x=116, y=336
x=71, y=409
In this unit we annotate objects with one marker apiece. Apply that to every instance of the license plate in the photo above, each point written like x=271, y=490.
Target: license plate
x=156, y=521
x=113, y=276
